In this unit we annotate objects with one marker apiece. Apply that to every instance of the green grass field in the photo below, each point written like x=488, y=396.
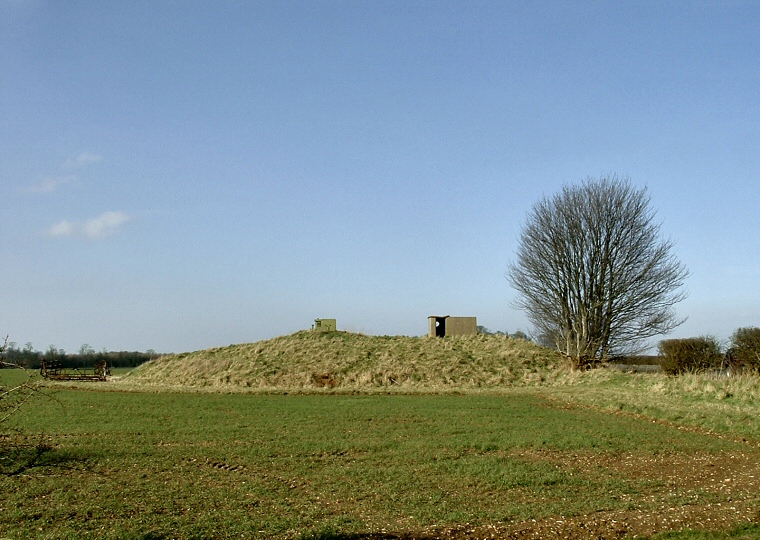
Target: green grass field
x=135, y=465
x=551, y=455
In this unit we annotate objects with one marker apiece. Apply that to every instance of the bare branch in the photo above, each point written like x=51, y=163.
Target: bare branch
x=14, y=397
x=592, y=272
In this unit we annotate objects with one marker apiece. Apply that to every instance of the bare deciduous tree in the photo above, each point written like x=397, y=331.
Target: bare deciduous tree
x=593, y=273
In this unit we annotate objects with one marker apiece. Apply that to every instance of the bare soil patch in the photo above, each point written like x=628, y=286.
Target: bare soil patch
x=724, y=491
x=612, y=525
x=736, y=473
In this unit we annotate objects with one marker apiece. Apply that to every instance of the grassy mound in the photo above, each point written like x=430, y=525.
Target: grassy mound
x=341, y=360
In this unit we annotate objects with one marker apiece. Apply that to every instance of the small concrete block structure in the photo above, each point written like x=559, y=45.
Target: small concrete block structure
x=446, y=325
x=325, y=325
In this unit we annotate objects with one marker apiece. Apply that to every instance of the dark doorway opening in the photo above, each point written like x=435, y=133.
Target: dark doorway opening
x=440, y=327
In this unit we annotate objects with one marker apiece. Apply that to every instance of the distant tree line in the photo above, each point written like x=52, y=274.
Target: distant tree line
x=28, y=358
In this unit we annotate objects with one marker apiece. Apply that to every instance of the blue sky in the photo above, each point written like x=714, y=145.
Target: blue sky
x=183, y=175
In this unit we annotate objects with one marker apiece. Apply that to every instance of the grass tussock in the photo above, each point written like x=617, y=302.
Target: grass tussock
x=334, y=361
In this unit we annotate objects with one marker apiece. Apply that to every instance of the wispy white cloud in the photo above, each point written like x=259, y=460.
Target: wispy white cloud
x=49, y=185
x=85, y=158
x=64, y=228
x=106, y=224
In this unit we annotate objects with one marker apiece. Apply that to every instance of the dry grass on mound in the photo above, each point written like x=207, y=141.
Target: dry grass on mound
x=316, y=361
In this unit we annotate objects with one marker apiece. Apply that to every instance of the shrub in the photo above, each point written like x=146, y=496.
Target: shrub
x=745, y=344
x=690, y=354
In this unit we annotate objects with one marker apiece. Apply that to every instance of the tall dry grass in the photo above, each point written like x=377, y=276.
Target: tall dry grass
x=344, y=361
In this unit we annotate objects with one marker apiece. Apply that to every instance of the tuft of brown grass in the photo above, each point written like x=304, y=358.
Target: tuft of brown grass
x=343, y=361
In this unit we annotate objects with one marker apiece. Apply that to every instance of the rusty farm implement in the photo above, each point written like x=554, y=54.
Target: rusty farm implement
x=56, y=372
